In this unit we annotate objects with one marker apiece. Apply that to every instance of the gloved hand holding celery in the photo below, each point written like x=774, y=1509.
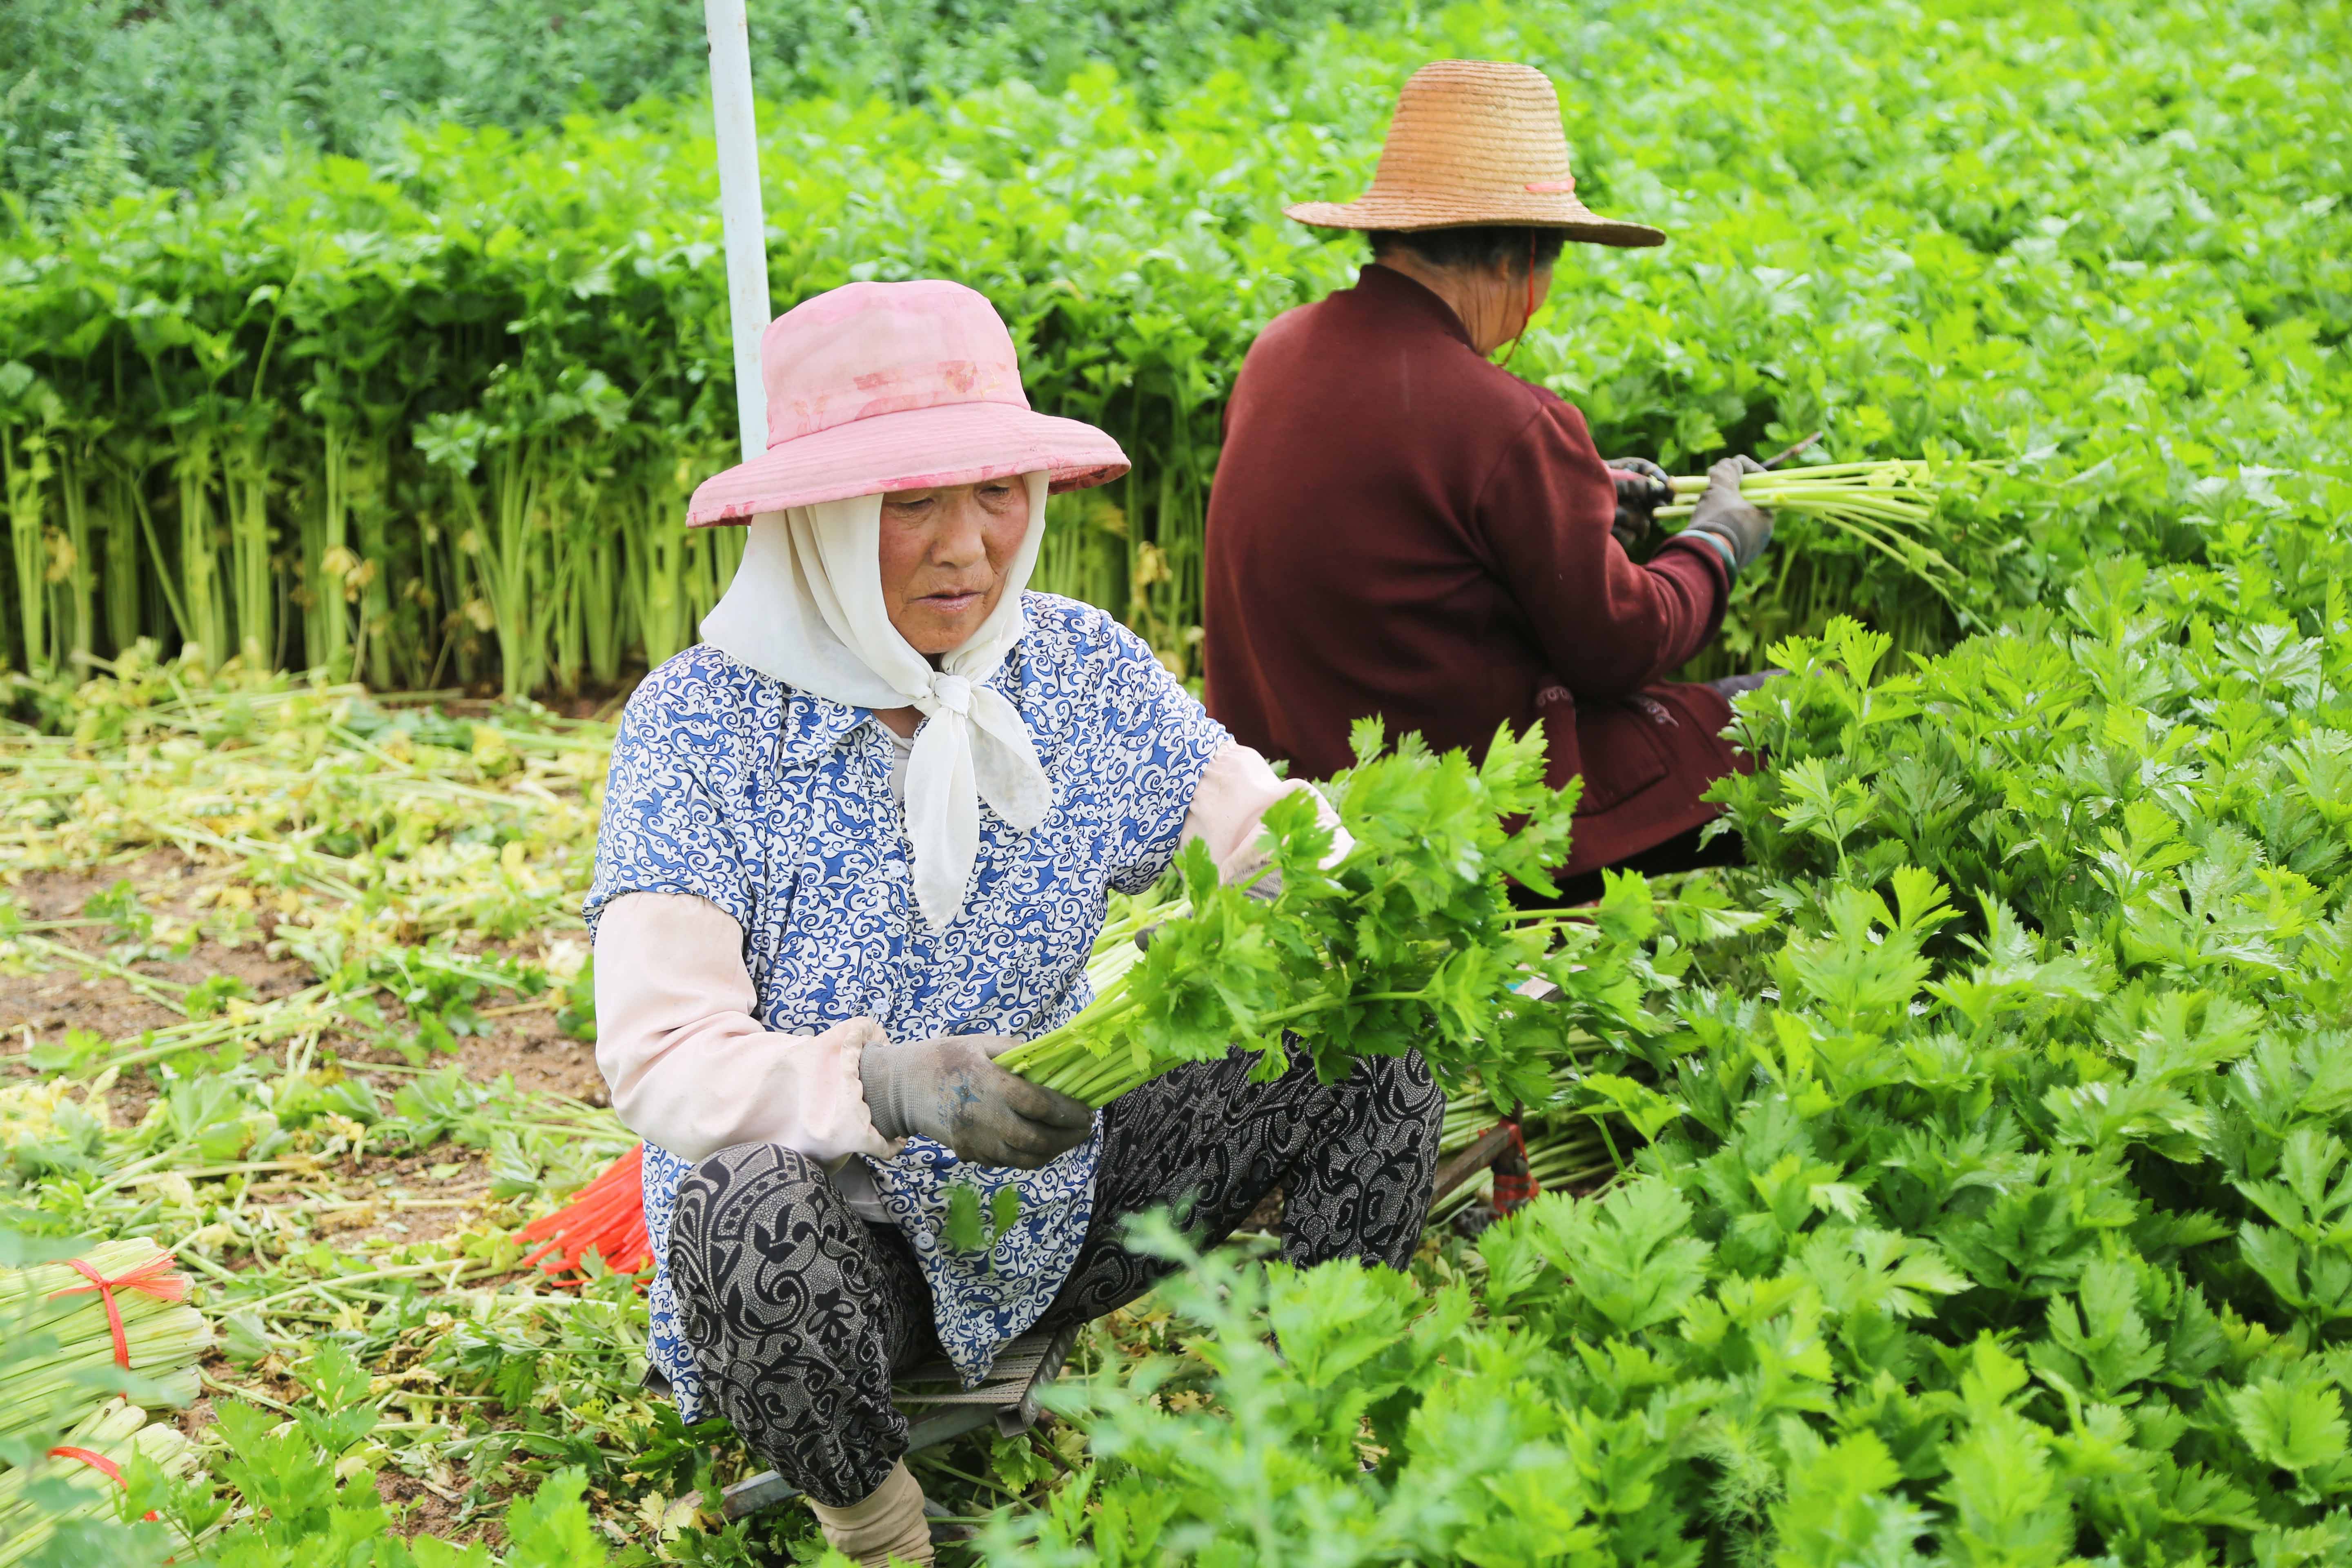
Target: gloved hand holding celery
x=1409, y=940
x=1882, y=503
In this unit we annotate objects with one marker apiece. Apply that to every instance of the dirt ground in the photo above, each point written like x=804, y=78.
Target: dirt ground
x=40, y=1007
x=349, y=1202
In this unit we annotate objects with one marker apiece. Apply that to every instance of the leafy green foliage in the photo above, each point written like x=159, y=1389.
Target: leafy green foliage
x=1992, y=1195
x=114, y=92
x=431, y=416
x=1407, y=940
x=1990, y=1213
x=313, y=1495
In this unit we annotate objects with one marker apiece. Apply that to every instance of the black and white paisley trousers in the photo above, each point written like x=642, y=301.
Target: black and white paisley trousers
x=800, y=1312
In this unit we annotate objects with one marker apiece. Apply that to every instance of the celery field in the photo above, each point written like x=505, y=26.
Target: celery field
x=431, y=418
x=1965, y=1181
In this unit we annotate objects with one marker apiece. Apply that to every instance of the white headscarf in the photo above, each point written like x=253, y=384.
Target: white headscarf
x=806, y=608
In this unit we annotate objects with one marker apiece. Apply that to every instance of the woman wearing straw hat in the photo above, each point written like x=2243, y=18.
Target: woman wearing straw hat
x=857, y=842
x=1399, y=527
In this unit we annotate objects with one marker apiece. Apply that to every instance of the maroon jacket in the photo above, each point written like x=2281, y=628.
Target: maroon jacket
x=1399, y=527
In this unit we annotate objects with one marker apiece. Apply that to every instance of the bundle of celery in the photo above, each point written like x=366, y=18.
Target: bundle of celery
x=87, y=1468
x=1410, y=940
x=61, y=1310
x=1571, y=1148
x=1875, y=502
x=1560, y=1156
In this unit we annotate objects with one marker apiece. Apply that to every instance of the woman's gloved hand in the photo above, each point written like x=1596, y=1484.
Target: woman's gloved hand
x=1643, y=488
x=951, y=1089
x=1722, y=512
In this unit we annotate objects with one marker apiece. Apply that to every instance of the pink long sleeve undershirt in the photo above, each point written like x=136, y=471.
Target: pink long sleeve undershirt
x=674, y=1024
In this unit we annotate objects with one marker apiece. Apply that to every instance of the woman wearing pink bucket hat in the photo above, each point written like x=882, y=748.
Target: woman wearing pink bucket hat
x=857, y=842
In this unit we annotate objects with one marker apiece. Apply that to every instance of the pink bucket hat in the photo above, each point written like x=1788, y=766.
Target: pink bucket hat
x=897, y=387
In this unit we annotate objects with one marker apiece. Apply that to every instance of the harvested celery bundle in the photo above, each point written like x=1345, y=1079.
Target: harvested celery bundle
x=1875, y=502
x=124, y=1306
x=90, y=1463
x=1411, y=940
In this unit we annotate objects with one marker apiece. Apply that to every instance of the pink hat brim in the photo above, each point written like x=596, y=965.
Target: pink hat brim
x=916, y=448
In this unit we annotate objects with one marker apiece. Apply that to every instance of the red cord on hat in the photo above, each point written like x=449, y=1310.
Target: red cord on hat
x=164, y=1286
x=99, y=1462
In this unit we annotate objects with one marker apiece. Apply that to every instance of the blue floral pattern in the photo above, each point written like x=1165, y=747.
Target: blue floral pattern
x=775, y=806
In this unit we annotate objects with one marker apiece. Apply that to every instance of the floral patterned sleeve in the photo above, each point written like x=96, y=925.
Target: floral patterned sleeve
x=1163, y=742
x=664, y=830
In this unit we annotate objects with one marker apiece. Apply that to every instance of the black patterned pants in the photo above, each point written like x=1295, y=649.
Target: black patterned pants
x=800, y=1312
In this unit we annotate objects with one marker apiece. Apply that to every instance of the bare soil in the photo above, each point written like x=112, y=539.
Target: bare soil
x=423, y=1509
x=42, y=1005
x=350, y=1202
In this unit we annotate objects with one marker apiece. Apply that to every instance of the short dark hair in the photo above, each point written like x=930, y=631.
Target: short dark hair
x=1479, y=245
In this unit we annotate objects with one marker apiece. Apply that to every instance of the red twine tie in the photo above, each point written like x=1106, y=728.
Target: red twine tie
x=1515, y=1187
x=96, y=1461
x=1525, y=320
x=153, y=1278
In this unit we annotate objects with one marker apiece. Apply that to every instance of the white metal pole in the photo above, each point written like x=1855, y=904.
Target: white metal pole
x=742, y=224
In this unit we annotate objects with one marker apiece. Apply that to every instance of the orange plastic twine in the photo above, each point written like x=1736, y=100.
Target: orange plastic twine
x=153, y=1278
x=608, y=1216
x=96, y=1461
x=1512, y=1191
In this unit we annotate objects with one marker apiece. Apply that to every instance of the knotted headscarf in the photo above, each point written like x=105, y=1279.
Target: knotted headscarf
x=806, y=608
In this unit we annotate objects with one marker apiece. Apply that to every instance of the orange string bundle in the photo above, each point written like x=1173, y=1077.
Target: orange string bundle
x=93, y=1458
x=96, y=1461
x=1513, y=1188
x=607, y=1218
x=153, y=1278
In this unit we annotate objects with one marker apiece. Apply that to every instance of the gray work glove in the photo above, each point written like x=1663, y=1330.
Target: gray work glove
x=950, y=1090
x=1743, y=525
x=1643, y=488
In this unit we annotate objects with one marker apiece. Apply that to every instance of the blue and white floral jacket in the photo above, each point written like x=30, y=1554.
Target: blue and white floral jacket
x=775, y=806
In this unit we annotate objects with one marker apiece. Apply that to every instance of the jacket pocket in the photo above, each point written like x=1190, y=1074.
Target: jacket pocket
x=1620, y=747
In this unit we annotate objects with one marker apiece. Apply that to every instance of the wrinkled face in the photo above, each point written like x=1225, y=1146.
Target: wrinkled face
x=944, y=555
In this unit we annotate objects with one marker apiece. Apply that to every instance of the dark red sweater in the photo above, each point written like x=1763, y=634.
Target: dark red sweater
x=1399, y=527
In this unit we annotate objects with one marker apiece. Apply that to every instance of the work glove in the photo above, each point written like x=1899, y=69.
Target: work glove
x=950, y=1089
x=1643, y=488
x=1744, y=527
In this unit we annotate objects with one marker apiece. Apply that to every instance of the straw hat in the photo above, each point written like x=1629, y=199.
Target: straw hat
x=876, y=387
x=1475, y=141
